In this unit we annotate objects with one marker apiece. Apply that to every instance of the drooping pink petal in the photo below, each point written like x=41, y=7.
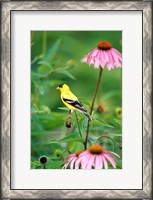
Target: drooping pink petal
x=106, y=57
x=85, y=157
x=118, y=54
x=77, y=163
x=96, y=63
x=95, y=52
x=84, y=162
x=71, y=157
x=109, y=66
x=117, y=51
x=79, y=160
x=90, y=162
x=91, y=55
x=110, y=159
x=84, y=59
x=87, y=152
x=89, y=58
x=101, y=57
x=111, y=61
x=66, y=157
x=72, y=163
x=116, y=59
x=65, y=165
x=114, y=154
x=105, y=162
x=98, y=162
x=102, y=60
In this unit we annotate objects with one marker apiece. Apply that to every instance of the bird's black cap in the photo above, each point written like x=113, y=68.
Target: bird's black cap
x=60, y=86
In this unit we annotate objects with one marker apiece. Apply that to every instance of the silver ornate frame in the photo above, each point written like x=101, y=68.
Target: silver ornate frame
x=146, y=8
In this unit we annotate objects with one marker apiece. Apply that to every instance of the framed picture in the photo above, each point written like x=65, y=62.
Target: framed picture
x=76, y=99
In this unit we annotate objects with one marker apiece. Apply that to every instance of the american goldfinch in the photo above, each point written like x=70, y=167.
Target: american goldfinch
x=71, y=101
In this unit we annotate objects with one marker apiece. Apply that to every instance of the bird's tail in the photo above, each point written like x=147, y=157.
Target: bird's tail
x=89, y=117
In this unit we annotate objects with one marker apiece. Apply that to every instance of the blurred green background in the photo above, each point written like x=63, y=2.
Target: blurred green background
x=56, y=59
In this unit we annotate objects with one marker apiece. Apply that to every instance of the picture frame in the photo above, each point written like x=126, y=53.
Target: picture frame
x=7, y=8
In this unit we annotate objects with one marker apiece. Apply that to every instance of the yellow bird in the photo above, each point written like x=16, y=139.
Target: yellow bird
x=71, y=101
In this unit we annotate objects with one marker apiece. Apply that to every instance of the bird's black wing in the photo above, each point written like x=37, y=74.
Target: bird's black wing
x=75, y=103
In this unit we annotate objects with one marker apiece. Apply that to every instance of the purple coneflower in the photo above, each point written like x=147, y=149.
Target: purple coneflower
x=103, y=55
x=72, y=158
x=96, y=158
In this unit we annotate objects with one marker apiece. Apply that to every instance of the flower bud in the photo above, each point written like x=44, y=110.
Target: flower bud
x=118, y=112
x=100, y=108
x=43, y=160
x=58, y=153
x=72, y=63
x=68, y=124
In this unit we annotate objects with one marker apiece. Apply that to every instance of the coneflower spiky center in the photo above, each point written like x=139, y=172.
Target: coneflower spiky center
x=95, y=149
x=104, y=45
x=78, y=152
x=43, y=160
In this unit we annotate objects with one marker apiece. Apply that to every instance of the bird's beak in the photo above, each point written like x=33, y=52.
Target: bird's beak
x=57, y=88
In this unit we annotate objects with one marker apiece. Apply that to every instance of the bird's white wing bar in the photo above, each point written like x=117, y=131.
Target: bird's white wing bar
x=75, y=104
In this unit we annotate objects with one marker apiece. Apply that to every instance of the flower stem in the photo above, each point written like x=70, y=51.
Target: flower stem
x=92, y=105
x=97, y=87
x=44, y=44
x=78, y=123
x=104, y=136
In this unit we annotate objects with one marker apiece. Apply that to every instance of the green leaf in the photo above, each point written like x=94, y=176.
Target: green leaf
x=44, y=109
x=52, y=51
x=115, y=135
x=36, y=59
x=45, y=63
x=69, y=138
x=39, y=167
x=43, y=69
x=42, y=90
x=41, y=133
x=93, y=139
x=36, y=75
x=52, y=120
x=55, y=82
x=36, y=165
x=33, y=165
x=55, y=164
x=66, y=73
x=101, y=122
x=118, y=121
x=119, y=164
x=75, y=146
x=110, y=94
x=41, y=109
x=37, y=123
x=84, y=123
x=64, y=108
x=34, y=108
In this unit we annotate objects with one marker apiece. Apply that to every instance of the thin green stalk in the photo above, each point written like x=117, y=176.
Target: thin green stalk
x=104, y=136
x=92, y=105
x=44, y=44
x=53, y=71
x=77, y=120
x=56, y=70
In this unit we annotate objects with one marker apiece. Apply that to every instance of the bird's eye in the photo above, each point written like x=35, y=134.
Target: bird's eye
x=60, y=86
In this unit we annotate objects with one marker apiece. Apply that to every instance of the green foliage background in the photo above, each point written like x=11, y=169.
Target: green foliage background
x=56, y=59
